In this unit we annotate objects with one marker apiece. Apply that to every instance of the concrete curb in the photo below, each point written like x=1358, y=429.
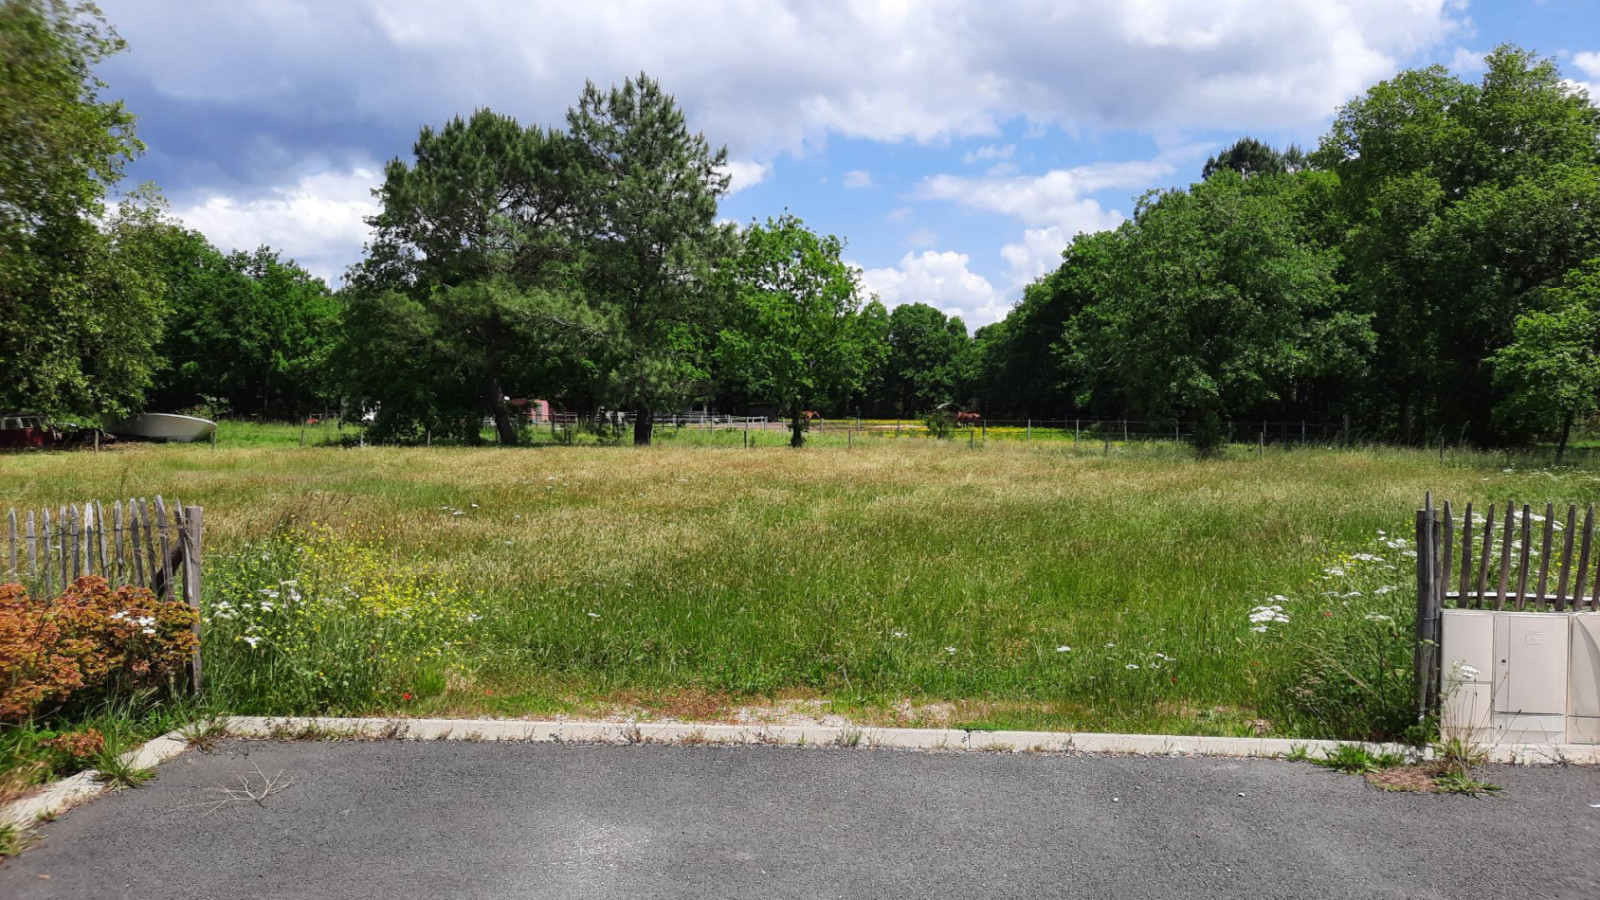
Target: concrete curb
x=948, y=739
x=60, y=796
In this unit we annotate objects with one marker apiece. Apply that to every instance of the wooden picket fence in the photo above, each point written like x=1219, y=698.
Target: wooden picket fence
x=146, y=543
x=1538, y=563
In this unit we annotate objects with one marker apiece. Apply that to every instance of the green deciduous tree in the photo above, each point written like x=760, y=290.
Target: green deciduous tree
x=1217, y=301
x=795, y=335
x=79, y=311
x=648, y=198
x=926, y=360
x=1464, y=201
x=466, y=294
x=1550, y=372
x=250, y=331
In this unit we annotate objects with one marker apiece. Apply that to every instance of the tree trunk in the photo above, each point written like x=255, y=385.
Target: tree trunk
x=643, y=423
x=1566, y=433
x=797, y=428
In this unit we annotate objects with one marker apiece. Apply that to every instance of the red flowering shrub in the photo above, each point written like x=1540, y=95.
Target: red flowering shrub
x=89, y=638
x=81, y=746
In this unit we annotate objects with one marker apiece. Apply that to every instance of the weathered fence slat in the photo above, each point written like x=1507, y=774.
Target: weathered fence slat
x=1527, y=547
x=1483, y=560
x=1505, y=557
x=1466, y=558
x=100, y=522
x=1583, y=557
x=63, y=535
x=151, y=569
x=136, y=552
x=1447, y=545
x=12, y=531
x=166, y=549
x=33, y=548
x=49, y=566
x=1544, y=554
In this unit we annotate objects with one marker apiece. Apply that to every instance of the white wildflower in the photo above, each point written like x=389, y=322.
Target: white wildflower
x=1063, y=649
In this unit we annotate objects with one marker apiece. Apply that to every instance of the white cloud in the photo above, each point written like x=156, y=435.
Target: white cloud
x=1037, y=253
x=921, y=238
x=768, y=78
x=743, y=173
x=989, y=152
x=941, y=280
x=857, y=178
x=898, y=214
x=319, y=221
x=1589, y=64
x=1468, y=62
x=1054, y=198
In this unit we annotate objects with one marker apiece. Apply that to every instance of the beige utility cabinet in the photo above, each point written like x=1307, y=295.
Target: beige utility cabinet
x=1521, y=677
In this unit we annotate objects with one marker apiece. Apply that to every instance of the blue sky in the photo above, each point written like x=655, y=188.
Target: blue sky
x=957, y=146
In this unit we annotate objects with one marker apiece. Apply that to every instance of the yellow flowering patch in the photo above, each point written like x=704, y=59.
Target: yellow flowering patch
x=315, y=620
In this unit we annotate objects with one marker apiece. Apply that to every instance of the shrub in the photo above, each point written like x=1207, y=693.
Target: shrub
x=90, y=640
x=311, y=622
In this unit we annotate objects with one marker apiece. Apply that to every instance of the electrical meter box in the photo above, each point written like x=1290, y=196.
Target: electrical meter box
x=1583, y=726
x=1531, y=654
x=1521, y=677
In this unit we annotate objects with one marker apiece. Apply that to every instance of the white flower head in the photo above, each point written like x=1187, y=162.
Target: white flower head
x=1063, y=649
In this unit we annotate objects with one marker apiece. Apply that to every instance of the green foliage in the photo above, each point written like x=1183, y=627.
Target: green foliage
x=312, y=622
x=1550, y=372
x=796, y=333
x=1354, y=759
x=648, y=191
x=465, y=296
x=79, y=310
x=250, y=333
x=926, y=354
x=1249, y=157
x=1219, y=300
x=1343, y=647
x=1464, y=201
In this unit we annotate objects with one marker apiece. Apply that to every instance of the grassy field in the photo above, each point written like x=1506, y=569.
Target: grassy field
x=905, y=582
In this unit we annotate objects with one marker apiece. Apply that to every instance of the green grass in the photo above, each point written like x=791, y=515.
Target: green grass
x=901, y=581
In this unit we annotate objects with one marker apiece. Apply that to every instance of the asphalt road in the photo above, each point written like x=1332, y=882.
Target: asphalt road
x=465, y=820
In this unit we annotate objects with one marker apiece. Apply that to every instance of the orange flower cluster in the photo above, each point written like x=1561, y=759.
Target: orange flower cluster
x=90, y=637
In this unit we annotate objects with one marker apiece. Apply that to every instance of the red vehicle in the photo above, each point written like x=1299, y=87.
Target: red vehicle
x=25, y=431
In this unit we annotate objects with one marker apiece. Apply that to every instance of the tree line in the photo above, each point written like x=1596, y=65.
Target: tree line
x=1428, y=270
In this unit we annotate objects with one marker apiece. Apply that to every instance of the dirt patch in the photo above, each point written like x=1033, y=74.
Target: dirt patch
x=1407, y=779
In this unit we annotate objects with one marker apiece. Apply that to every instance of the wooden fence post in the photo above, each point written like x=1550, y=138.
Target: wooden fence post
x=1425, y=656
x=193, y=528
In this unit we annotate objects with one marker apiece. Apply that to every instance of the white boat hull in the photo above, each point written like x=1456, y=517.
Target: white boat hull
x=163, y=427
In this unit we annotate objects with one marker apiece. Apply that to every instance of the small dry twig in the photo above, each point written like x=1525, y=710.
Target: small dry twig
x=246, y=791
